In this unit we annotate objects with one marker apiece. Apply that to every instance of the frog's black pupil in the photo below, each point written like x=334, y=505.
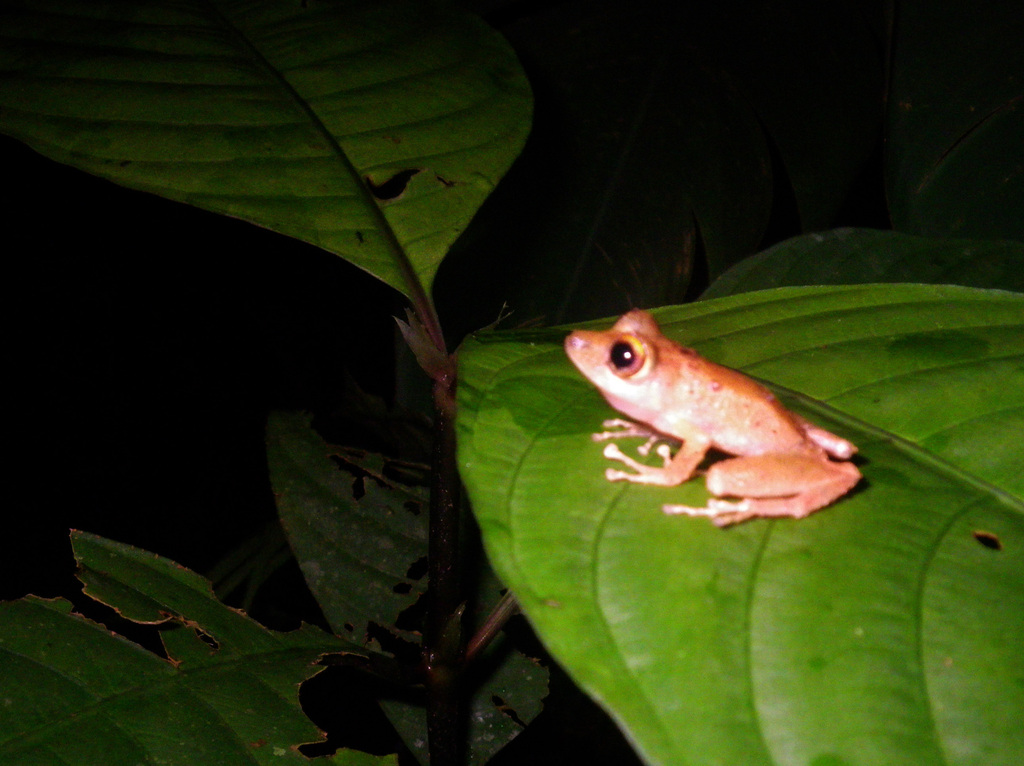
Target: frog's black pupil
x=623, y=355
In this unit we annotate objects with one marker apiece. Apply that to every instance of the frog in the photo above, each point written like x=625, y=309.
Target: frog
x=774, y=463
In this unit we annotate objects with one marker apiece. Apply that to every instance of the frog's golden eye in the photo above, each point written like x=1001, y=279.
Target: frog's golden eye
x=627, y=356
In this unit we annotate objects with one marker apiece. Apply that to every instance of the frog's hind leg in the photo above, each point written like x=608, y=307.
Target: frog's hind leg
x=771, y=485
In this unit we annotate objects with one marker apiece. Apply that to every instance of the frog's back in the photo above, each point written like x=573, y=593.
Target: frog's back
x=738, y=415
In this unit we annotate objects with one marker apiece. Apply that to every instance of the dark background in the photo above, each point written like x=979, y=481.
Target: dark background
x=149, y=340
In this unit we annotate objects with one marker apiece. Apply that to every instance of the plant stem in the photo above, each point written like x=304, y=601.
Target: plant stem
x=495, y=621
x=442, y=645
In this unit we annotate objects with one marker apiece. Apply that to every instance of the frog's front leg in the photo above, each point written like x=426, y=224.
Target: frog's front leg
x=674, y=469
x=624, y=427
x=627, y=428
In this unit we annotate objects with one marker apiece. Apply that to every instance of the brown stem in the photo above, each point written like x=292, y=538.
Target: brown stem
x=495, y=621
x=442, y=644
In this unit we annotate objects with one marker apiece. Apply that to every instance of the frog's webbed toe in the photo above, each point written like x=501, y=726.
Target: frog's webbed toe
x=641, y=474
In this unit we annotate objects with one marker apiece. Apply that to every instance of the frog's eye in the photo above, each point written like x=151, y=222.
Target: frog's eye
x=627, y=356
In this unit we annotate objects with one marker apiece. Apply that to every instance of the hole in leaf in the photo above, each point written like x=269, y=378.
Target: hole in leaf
x=145, y=634
x=207, y=639
x=359, y=476
x=343, y=703
x=203, y=636
x=413, y=617
x=418, y=568
x=988, y=539
x=404, y=651
x=402, y=588
x=506, y=710
x=358, y=488
x=412, y=507
x=392, y=188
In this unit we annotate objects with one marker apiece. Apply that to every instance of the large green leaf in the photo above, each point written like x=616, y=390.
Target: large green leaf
x=360, y=535
x=857, y=256
x=955, y=143
x=372, y=129
x=885, y=629
x=226, y=693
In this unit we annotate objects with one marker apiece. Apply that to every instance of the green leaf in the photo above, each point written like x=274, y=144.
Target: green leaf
x=75, y=693
x=371, y=129
x=355, y=531
x=346, y=757
x=884, y=629
x=955, y=157
x=857, y=256
x=360, y=536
